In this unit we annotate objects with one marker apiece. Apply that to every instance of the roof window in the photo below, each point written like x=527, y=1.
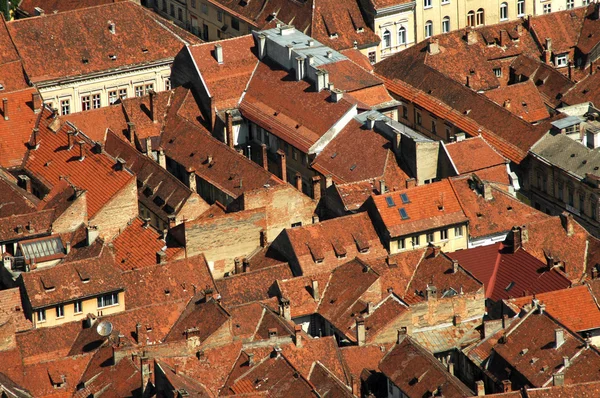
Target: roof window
x=390, y=201
x=404, y=198
x=403, y=213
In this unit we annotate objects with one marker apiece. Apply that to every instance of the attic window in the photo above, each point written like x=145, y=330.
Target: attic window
x=48, y=284
x=403, y=213
x=334, y=155
x=390, y=201
x=83, y=275
x=112, y=57
x=1, y=86
x=148, y=192
x=56, y=378
x=404, y=198
x=85, y=60
x=352, y=167
x=316, y=253
x=339, y=249
x=158, y=201
x=144, y=50
x=361, y=243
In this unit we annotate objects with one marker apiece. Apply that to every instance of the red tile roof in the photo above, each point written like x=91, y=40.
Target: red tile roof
x=576, y=307
x=430, y=206
x=54, y=6
x=506, y=274
x=473, y=154
x=96, y=174
x=199, y=319
x=299, y=292
x=11, y=309
x=563, y=28
x=15, y=132
x=365, y=357
x=525, y=100
x=589, y=38
x=94, y=123
x=72, y=42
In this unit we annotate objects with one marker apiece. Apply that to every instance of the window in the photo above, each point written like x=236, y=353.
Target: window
x=446, y=25
x=180, y=14
x=430, y=237
x=561, y=60
x=235, y=24
x=586, y=2
x=85, y=103
x=60, y=311
x=65, y=107
x=390, y=201
x=433, y=127
x=504, y=11
x=570, y=196
x=480, y=17
x=122, y=93
x=108, y=300
x=444, y=234
x=220, y=15
x=403, y=213
x=402, y=35
x=149, y=87
x=560, y=191
x=204, y=8
x=172, y=10
x=458, y=231
x=404, y=111
x=297, y=224
x=167, y=83
x=193, y=3
x=139, y=91
x=78, y=307
x=471, y=19
x=419, y=118
x=428, y=29
x=498, y=72
x=41, y=315
x=415, y=240
x=404, y=198
x=401, y=243
x=570, y=4
x=445, y=2
x=582, y=203
x=164, y=5
x=427, y=4
x=387, y=39
x=520, y=8
x=112, y=97
x=372, y=57
x=547, y=8
x=448, y=132
x=96, y=101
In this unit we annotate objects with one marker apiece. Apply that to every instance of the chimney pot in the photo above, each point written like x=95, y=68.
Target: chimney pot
x=283, y=164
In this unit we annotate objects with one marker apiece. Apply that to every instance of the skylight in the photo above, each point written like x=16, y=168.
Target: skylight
x=403, y=213
x=404, y=198
x=390, y=201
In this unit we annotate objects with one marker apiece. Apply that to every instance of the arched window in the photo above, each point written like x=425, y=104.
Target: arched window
x=387, y=39
x=503, y=11
x=520, y=8
x=428, y=29
x=471, y=18
x=480, y=17
x=402, y=35
x=446, y=24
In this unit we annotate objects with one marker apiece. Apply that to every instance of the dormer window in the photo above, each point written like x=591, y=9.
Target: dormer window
x=561, y=60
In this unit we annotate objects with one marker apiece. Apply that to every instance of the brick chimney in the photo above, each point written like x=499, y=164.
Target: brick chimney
x=566, y=220
x=430, y=292
x=286, y=310
x=229, y=129
x=517, y=241
x=237, y=266
x=35, y=144
x=504, y=39
x=454, y=266
x=298, y=336
x=480, y=388
x=36, y=100
x=131, y=131
x=471, y=36
x=433, y=46
x=548, y=51
x=282, y=165
x=265, y=160
x=411, y=183
x=298, y=180
x=316, y=185
x=153, y=110
x=5, y=108
x=361, y=332
x=263, y=238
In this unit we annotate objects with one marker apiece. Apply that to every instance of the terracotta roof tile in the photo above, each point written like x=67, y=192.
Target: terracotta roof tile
x=584, y=390
x=15, y=131
x=588, y=89
x=525, y=100
x=200, y=319
x=94, y=123
x=326, y=384
x=366, y=357
x=324, y=349
x=429, y=206
x=54, y=6
x=563, y=28
x=161, y=40
x=11, y=309
x=300, y=294
x=15, y=200
x=120, y=379
x=38, y=377
x=588, y=37
x=39, y=345
x=473, y=154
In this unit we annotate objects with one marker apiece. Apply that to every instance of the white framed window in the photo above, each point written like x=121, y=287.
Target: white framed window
x=561, y=60
x=471, y=18
x=520, y=8
x=148, y=87
x=122, y=93
x=503, y=11
x=401, y=244
x=427, y=4
x=402, y=35
x=167, y=83
x=444, y=2
x=415, y=240
x=139, y=91
x=444, y=234
x=498, y=72
x=387, y=39
x=78, y=307
x=428, y=29
x=480, y=17
x=108, y=300
x=112, y=96
x=65, y=106
x=430, y=237
x=446, y=24
x=586, y=2
x=86, y=103
x=372, y=57
x=570, y=4
x=96, y=101
x=60, y=311
x=41, y=315
x=547, y=8
x=458, y=231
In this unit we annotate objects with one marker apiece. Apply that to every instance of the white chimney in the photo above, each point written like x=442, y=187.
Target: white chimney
x=219, y=53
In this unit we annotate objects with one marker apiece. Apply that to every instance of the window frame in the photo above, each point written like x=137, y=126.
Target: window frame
x=520, y=8
x=78, y=307
x=504, y=11
x=428, y=29
x=386, y=39
x=458, y=232
x=444, y=234
x=40, y=315
x=402, y=35
x=60, y=311
x=65, y=104
x=427, y=4
x=114, y=298
x=561, y=60
x=471, y=19
x=446, y=24
x=480, y=17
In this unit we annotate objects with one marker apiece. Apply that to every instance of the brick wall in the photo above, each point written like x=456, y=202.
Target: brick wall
x=117, y=212
x=73, y=217
x=192, y=208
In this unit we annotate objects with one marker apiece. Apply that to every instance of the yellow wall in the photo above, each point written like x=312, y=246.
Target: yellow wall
x=449, y=245
x=555, y=5
x=89, y=306
x=393, y=23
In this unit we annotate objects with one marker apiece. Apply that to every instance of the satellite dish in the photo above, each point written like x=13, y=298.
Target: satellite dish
x=104, y=328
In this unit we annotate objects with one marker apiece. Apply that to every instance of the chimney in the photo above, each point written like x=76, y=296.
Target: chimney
x=91, y=234
x=153, y=111
x=315, y=218
x=542, y=309
x=336, y=95
x=430, y=292
x=504, y=39
x=370, y=307
x=370, y=122
x=162, y=159
x=146, y=223
x=480, y=388
x=286, y=310
x=559, y=337
x=282, y=165
x=219, y=53
x=34, y=138
x=299, y=68
x=566, y=219
x=566, y=361
x=131, y=131
x=329, y=54
x=316, y=186
x=433, y=47
x=263, y=238
x=436, y=250
x=361, y=333
x=245, y=265
x=548, y=44
x=328, y=180
x=504, y=321
x=451, y=368
x=111, y=27
x=265, y=161
x=558, y=379
x=120, y=165
x=161, y=257
x=381, y=186
x=145, y=374
x=172, y=221
x=70, y=135
x=67, y=247
x=355, y=386
x=454, y=266
x=506, y=386
x=36, y=100
x=229, y=128
x=468, y=83
x=191, y=178
x=298, y=336
x=456, y=320
x=250, y=358
x=471, y=36
x=25, y=182
x=5, y=108
x=262, y=41
x=401, y=335
x=517, y=242
x=315, y=289
x=411, y=183
x=507, y=103
x=237, y=266
x=298, y=178
x=81, y=155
